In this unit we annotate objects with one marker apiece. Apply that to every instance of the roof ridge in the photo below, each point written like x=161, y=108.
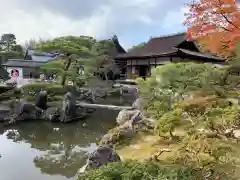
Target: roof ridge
x=166, y=36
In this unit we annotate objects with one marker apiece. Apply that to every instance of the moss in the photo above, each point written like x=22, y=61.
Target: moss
x=198, y=105
x=118, y=136
x=134, y=170
x=142, y=147
x=52, y=89
x=9, y=95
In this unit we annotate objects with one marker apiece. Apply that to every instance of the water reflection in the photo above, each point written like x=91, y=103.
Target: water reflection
x=54, y=149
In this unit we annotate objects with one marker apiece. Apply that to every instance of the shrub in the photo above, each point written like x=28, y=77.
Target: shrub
x=52, y=89
x=198, y=105
x=198, y=151
x=134, y=170
x=169, y=121
x=8, y=95
x=117, y=136
x=222, y=118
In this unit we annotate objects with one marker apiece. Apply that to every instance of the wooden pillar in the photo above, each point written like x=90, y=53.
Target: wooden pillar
x=131, y=69
x=155, y=62
x=136, y=68
x=149, y=67
x=171, y=59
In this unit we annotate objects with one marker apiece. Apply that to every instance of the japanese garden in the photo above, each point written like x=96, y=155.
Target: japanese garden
x=79, y=108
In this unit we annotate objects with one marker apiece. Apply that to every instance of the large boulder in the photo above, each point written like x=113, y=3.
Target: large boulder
x=25, y=111
x=118, y=135
x=102, y=156
x=68, y=110
x=22, y=111
x=129, y=115
x=41, y=100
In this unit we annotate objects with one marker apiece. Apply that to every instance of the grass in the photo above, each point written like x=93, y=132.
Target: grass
x=141, y=147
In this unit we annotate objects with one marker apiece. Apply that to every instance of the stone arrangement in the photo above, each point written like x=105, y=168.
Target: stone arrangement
x=102, y=156
x=23, y=110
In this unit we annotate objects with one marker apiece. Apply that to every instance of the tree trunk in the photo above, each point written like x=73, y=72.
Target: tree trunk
x=171, y=133
x=64, y=76
x=63, y=79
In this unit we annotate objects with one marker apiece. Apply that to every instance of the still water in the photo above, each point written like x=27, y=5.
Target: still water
x=46, y=151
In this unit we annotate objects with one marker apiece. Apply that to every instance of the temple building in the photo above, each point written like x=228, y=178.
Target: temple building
x=29, y=67
x=161, y=50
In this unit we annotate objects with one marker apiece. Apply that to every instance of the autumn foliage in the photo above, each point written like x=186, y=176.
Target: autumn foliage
x=216, y=24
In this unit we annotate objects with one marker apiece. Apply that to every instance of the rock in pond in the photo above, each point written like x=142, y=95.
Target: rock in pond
x=23, y=110
x=69, y=109
x=129, y=115
x=41, y=100
x=20, y=110
x=102, y=156
x=118, y=134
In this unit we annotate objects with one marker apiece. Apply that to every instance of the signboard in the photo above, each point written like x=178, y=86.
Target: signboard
x=15, y=72
x=15, y=75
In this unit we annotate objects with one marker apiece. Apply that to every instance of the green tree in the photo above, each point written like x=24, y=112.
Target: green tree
x=169, y=83
x=168, y=122
x=8, y=42
x=75, y=52
x=9, y=48
x=84, y=51
x=102, y=58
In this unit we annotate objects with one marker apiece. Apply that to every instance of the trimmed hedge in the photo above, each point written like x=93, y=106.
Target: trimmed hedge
x=8, y=95
x=134, y=170
x=52, y=89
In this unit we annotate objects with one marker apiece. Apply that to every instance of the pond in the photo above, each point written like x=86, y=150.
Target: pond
x=48, y=151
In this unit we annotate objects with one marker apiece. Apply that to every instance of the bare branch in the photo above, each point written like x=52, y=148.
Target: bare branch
x=225, y=17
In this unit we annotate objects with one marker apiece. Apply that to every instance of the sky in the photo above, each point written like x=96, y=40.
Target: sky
x=133, y=21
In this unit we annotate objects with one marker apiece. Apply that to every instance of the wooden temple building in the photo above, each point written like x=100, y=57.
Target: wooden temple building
x=159, y=51
x=29, y=66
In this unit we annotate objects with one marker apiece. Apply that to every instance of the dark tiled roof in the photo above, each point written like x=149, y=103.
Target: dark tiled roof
x=157, y=46
x=118, y=48
x=42, y=58
x=32, y=58
x=199, y=54
x=32, y=54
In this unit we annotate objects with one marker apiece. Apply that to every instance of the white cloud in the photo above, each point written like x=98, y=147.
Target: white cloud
x=38, y=20
x=174, y=19
x=48, y=25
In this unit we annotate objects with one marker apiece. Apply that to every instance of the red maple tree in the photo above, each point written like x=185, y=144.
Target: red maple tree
x=215, y=24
